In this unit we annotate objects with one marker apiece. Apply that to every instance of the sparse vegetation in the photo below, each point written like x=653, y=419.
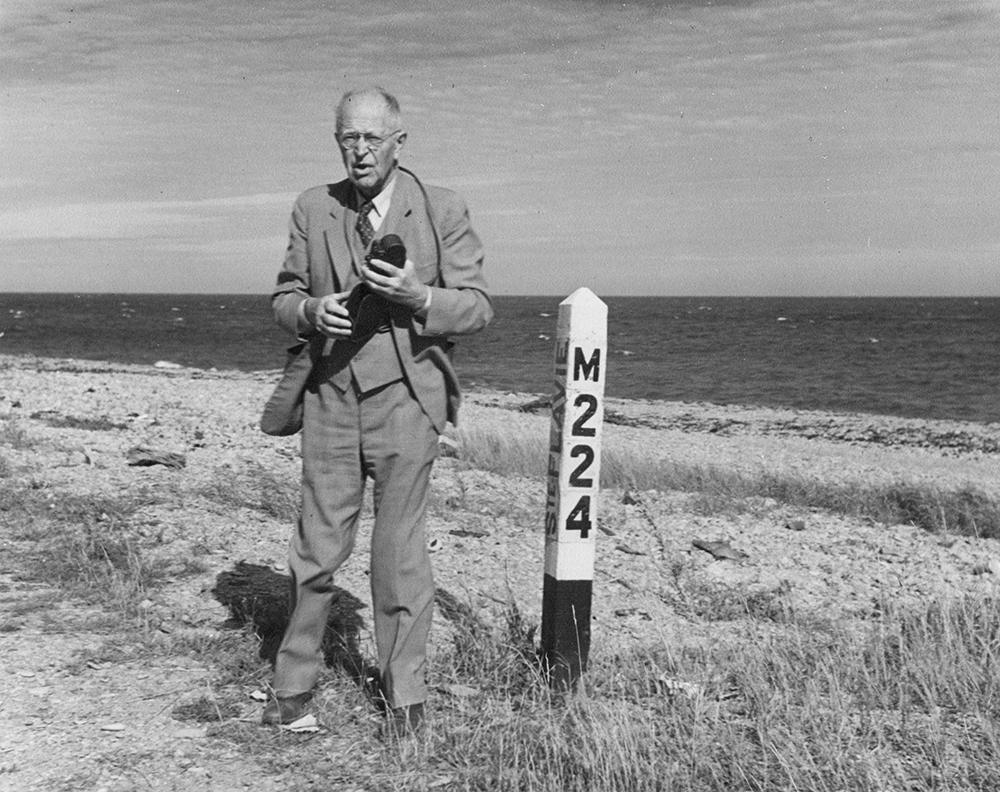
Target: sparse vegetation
x=964, y=511
x=91, y=424
x=13, y=436
x=86, y=546
x=254, y=486
x=758, y=697
x=205, y=710
x=910, y=701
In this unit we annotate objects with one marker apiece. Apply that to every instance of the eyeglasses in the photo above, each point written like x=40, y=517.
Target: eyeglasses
x=349, y=141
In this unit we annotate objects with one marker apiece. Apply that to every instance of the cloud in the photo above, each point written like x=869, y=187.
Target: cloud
x=126, y=219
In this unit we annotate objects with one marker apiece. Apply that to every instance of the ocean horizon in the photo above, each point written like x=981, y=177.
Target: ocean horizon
x=917, y=357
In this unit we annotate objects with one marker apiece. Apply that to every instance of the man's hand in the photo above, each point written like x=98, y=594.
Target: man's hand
x=400, y=285
x=328, y=315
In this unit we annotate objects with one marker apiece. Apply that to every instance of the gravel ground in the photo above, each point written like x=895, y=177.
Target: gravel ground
x=69, y=427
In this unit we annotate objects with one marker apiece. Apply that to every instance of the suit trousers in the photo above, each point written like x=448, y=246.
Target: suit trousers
x=349, y=437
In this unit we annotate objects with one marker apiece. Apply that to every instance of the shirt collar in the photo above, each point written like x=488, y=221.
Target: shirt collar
x=380, y=203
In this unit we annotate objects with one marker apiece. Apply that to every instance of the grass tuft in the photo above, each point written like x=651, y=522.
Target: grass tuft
x=84, y=545
x=254, y=486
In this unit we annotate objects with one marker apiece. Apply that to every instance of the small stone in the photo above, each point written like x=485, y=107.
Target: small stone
x=461, y=691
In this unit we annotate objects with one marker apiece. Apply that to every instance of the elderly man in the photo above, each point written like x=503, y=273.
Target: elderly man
x=381, y=390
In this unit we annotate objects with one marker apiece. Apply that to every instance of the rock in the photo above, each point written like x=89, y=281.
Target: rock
x=721, y=550
x=461, y=691
x=469, y=533
x=307, y=724
x=673, y=687
x=447, y=447
x=795, y=525
x=143, y=456
x=536, y=405
x=166, y=364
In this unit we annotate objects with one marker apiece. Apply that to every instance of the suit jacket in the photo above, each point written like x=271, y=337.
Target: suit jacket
x=321, y=255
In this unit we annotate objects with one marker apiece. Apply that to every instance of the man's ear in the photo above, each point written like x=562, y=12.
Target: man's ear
x=400, y=142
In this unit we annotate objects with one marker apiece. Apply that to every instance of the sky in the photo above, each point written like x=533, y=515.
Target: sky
x=726, y=148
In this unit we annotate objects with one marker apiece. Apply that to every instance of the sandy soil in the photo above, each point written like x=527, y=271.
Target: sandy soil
x=77, y=714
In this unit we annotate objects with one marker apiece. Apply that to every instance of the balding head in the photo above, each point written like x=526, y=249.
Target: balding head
x=370, y=138
x=373, y=96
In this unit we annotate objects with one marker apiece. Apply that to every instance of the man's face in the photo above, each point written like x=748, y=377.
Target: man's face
x=369, y=164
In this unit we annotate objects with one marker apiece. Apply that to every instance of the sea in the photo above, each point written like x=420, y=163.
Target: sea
x=936, y=358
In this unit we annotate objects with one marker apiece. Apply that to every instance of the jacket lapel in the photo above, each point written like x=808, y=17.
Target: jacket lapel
x=400, y=208
x=338, y=242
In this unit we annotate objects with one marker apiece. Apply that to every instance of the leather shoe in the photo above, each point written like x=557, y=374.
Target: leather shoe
x=285, y=709
x=404, y=722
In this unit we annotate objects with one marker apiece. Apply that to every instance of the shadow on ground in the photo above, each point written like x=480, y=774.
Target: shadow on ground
x=258, y=597
x=261, y=598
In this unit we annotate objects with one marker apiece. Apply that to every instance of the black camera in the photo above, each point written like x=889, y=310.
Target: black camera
x=390, y=249
x=369, y=311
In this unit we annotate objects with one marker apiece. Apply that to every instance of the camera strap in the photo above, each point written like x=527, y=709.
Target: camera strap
x=439, y=280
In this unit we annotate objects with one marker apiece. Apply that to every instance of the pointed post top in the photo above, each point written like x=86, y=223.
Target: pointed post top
x=583, y=297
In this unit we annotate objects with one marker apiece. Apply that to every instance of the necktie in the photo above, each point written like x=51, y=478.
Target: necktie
x=364, y=225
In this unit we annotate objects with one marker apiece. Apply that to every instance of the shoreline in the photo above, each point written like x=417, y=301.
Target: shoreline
x=697, y=416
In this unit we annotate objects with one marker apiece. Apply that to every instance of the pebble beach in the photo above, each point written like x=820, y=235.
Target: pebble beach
x=187, y=440
x=210, y=419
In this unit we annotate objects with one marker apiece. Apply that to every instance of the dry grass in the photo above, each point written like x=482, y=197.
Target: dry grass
x=86, y=546
x=909, y=702
x=965, y=510
x=256, y=487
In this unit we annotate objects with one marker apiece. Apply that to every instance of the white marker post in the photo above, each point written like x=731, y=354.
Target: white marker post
x=573, y=484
